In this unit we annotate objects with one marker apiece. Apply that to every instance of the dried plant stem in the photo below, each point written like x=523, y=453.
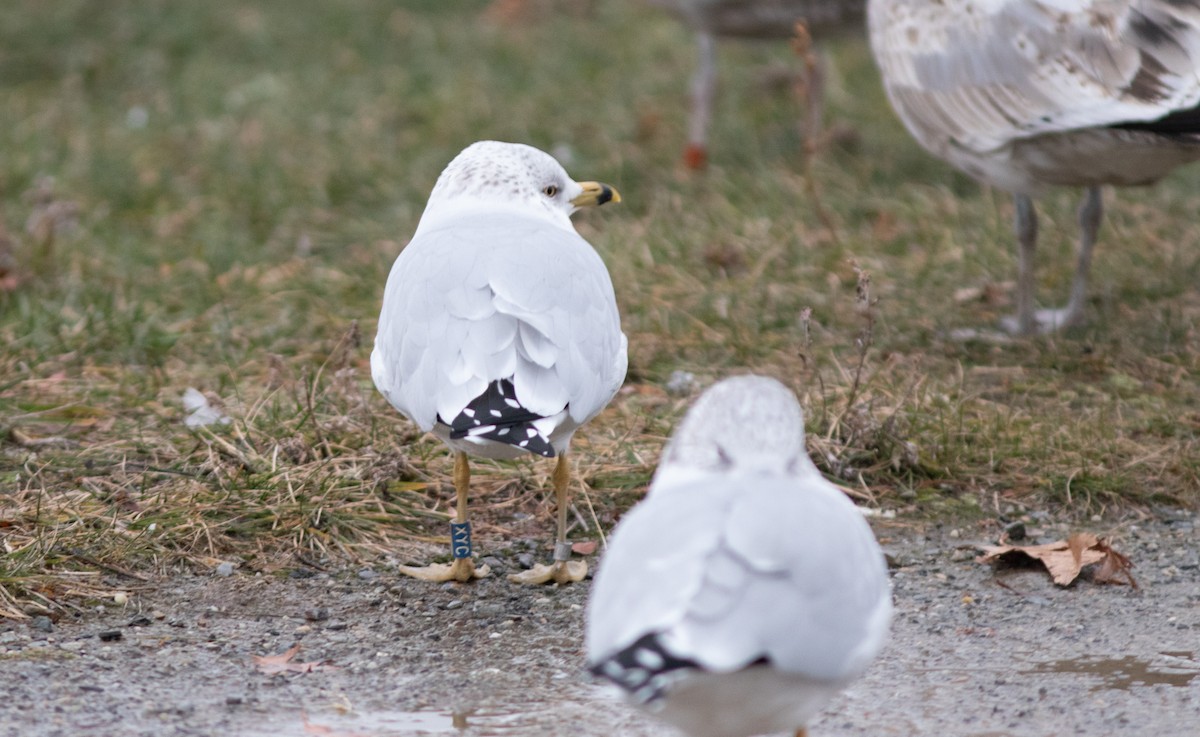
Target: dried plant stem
x=865, y=336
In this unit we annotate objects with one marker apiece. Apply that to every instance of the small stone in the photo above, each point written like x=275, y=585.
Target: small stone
x=367, y=574
x=156, y=614
x=233, y=700
x=455, y=604
x=42, y=624
x=110, y=635
x=1015, y=531
x=120, y=598
x=336, y=626
x=681, y=383
x=140, y=621
x=489, y=609
x=316, y=614
x=300, y=573
x=73, y=645
x=526, y=560
x=224, y=570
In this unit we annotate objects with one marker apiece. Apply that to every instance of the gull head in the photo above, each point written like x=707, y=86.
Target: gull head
x=510, y=178
x=744, y=424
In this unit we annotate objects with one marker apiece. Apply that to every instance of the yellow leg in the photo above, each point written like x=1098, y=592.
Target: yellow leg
x=563, y=570
x=462, y=569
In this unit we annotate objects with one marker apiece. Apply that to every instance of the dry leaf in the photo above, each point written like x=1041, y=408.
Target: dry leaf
x=1114, y=568
x=282, y=663
x=587, y=547
x=1064, y=559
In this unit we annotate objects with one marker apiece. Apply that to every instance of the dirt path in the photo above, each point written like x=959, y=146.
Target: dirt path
x=973, y=654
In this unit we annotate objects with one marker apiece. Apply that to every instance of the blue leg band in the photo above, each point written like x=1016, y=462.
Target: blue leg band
x=460, y=539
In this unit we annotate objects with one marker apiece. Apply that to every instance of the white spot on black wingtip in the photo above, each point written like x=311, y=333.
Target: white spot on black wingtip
x=645, y=694
x=649, y=659
x=636, y=677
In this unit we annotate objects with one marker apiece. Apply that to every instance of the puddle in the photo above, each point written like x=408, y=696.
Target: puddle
x=398, y=724
x=1176, y=668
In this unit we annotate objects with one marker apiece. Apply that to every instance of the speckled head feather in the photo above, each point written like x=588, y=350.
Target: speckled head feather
x=744, y=422
x=491, y=175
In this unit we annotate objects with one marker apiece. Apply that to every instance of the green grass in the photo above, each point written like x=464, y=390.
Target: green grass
x=211, y=195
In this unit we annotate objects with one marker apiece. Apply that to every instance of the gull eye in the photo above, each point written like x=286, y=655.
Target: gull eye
x=550, y=190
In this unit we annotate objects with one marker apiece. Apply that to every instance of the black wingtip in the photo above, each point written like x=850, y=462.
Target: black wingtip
x=496, y=415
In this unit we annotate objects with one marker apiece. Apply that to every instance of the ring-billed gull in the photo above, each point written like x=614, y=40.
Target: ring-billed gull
x=745, y=590
x=499, y=330
x=710, y=19
x=1027, y=94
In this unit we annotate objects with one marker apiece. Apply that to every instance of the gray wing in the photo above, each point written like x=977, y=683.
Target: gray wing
x=981, y=73
x=654, y=565
x=735, y=585
x=493, y=298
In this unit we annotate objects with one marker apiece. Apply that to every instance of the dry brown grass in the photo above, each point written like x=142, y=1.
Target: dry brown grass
x=181, y=213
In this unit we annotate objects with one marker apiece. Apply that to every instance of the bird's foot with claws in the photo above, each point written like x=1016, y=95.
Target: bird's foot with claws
x=462, y=570
x=561, y=571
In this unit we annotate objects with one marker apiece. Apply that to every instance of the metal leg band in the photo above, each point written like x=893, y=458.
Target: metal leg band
x=562, y=551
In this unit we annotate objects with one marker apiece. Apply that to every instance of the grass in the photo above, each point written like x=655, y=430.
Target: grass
x=210, y=195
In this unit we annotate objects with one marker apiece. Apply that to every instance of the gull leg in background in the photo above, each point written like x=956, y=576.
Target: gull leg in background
x=1026, y=226
x=1030, y=321
x=704, y=85
x=562, y=570
x=463, y=568
x=1091, y=211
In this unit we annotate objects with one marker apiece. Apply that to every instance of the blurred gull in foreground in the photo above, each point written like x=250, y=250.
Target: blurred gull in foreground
x=745, y=591
x=1028, y=94
x=499, y=329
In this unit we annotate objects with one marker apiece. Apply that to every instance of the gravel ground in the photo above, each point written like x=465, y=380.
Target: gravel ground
x=975, y=652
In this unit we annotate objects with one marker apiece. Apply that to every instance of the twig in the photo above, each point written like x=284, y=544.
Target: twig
x=866, y=335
